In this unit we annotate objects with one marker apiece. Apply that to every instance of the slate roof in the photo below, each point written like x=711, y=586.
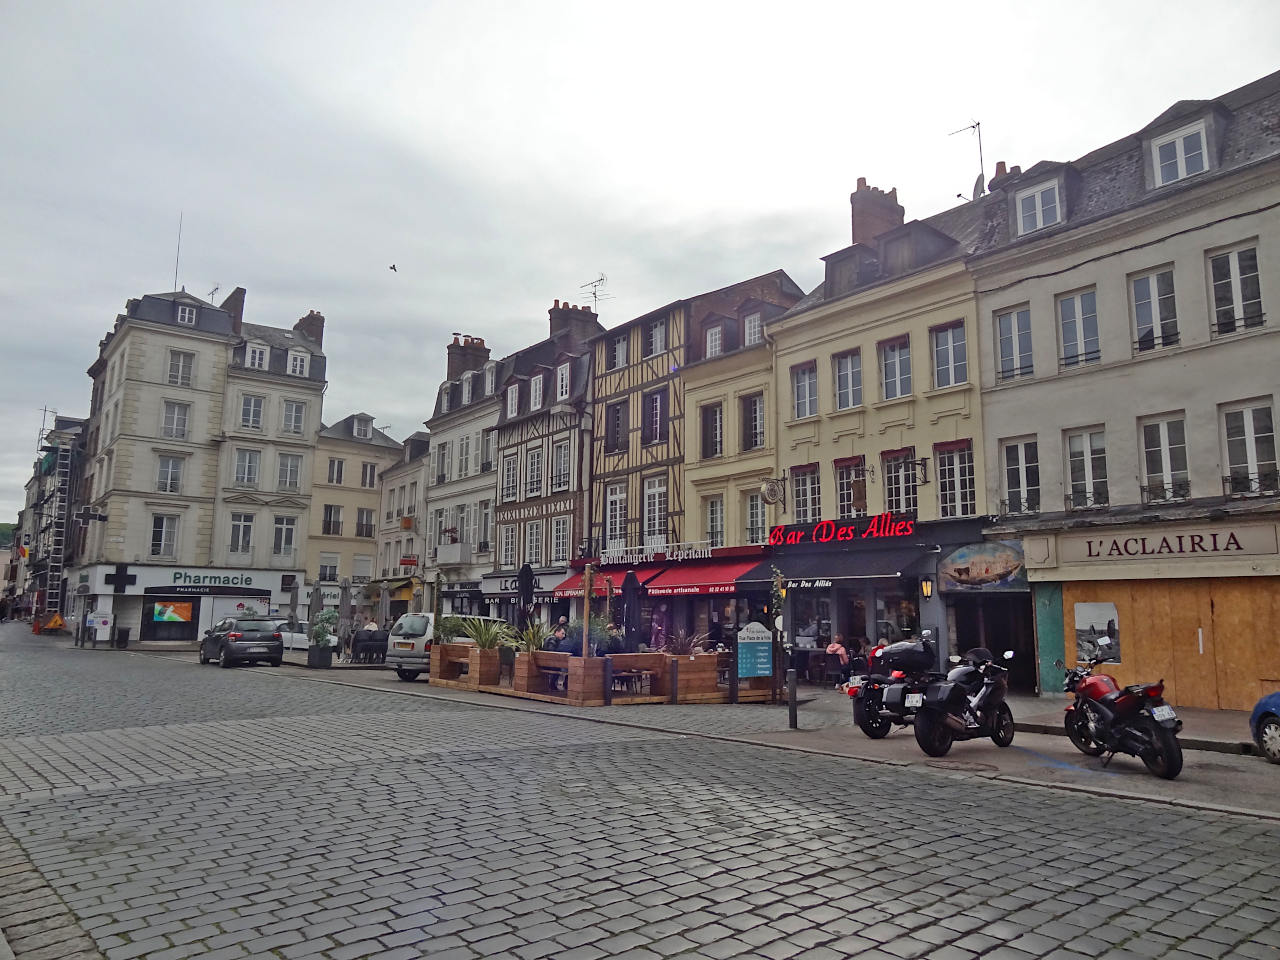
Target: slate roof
x=281, y=337
x=344, y=429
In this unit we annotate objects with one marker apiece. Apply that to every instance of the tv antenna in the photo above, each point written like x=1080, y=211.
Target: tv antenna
x=214, y=291
x=178, y=252
x=597, y=286
x=979, y=185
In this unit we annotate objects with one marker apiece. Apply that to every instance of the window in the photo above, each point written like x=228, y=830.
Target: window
x=848, y=380
x=1037, y=207
x=950, y=365
x=328, y=568
x=361, y=568
x=411, y=503
x=712, y=430
x=335, y=470
x=615, y=427
x=1179, y=154
x=1021, y=461
x=654, y=427
x=1078, y=322
x=482, y=534
x=290, y=472
x=1237, y=293
x=364, y=521
x=560, y=465
x=895, y=369
x=533, y=543
x=957, y=493
x=255, y=357
x=655, y=338
x=655, y=511
x=466, y=389
x=437, y=524
x=535, y=392
x=713, y=341
x=285, y=529
x=1013, y=336
x=1251, y=448
x=1155, y=312
x=804, y=390
x=851, y=489
x=169, y=475
x=488, y=380
x=753, y=332
x=251, y=412
x=247, y=462
x=533, y=472
x=294, y=416
x=617, y=353
x=1087, y=469
x=715, y=522
x=560, y=540
x=332, y=526
x=241, y=532
x=444, y=462
x=1164, y=461
x=164, y=534
x=297, y=364
x=756, y=532
x=180, y=365
x=464, y=455
x=562, y=382
x=368, y=475
x=513, y=400
x=806, y=496
x=444, y=397
x=508, y=536
x=486, y=451
x=753, y=421
x=510, y=477
x=900, y=480
x=400, y=501
x=616, y=515
x=186, y=317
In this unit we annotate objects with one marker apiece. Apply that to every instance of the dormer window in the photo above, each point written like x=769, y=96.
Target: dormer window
x=186, y=315
x=1037, y=207
x=1180, y=154
x=713, y=341
x=535, y=392
x=466, y=389
x=562, y=382
x=488, y=380
x=444, y=398
x=362, y=428
x=513, y=400
x=752, y=331
x=297, y=363
x=255, y=356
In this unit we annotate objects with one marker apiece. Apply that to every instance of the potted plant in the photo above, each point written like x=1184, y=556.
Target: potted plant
x=320, y=650
x=488, y=636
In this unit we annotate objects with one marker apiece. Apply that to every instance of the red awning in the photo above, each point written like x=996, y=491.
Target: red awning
x=572, y=588
x=699, y=578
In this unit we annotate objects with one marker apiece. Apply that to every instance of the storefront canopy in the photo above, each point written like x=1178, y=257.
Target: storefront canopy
x=572, y=587
x=699, y=578
x=836, y=565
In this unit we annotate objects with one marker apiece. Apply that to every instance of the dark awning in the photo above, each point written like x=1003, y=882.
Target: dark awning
x=837, y=565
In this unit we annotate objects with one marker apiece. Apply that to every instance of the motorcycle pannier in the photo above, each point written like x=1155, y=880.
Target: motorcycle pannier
x=908, y=655
x=893, y=696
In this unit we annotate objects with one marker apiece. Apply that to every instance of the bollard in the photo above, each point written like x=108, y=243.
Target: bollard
x=792, y=720
x=674, y=679
x=733, y=678
x=608, y=681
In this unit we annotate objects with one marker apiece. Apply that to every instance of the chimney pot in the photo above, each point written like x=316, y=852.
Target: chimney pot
x=1000, y=170
x=873, y=212
x=862, y=183
x=1014, y=171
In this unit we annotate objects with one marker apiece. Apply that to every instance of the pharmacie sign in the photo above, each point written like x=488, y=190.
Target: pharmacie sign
x=1187, y=543
x=884, y=526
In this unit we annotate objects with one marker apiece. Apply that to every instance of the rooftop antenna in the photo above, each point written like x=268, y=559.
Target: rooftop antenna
x=45, y=411
x=178, y=252
x=214, y=291
x=597, y=295
x=979, y=185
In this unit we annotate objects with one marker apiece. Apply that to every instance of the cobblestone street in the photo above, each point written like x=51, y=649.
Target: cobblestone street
x=155, y=808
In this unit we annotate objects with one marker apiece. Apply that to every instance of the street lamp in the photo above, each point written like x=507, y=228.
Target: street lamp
x=926, y=587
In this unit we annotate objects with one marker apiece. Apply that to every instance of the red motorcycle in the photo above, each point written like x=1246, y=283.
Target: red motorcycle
x=1107, y=718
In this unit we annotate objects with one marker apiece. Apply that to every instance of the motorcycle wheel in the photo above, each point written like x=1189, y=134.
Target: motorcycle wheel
x=873, y=725
x=1078, y=733
x=1003, y=726
x=932, y=734
x=1164, y=756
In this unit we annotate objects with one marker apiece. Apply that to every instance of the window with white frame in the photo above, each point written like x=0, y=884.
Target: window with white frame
x=464, y=455
x=753, y=421
x=562, y=382
x=438, y=528
x=361, y=568
x=535, y=392
x=895, y=368
x=336, y=466
x=1180, y=154
x=901, y=494
x=1020, y=460
x=298, y=363
x=1078, y=325
x=411, y=502
x=483, y=525
x=950, y=359
x=510, y=477
x=848, y=380
x=255, y=357
x=655, y=337
x=617, y=352
x=332, y=523
x=715, y=521
x=186, y=315
x=713, y=341
x=368, y=475
x=286, y=529
x=169, y=475
x=806, y=496
x=533, y=543
x=1037, y=207
x=1237, y=291
x=241, y=533
x=1087, y=469
x=295, y=415
x=1249, y=434
x=445, y=389
x=400, y=500
x=489, y=373
x=957, y=493
x=712, y=430
x=559, y=539
x=755, y=532
x=1155, y=310
x=655, y=511
x=513, y=400
x=1013, y=344
x=560, y=473
x=533, y=472
x=181, y=364
x=752, y=329
x=1164, y=460
x=654, y=427
x=290, y=471
x=444, y=462
x=364, y=522
x=328, y=572
x=251, y=412
x=164, y=535
x=804, y=390
x=507, y=538
x=362, y=428
x=466, y=389
x=851, y=489
x=616, y=515
x=247, y=463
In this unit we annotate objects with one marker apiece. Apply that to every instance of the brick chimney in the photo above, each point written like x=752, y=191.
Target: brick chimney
x=312, y=326
x=234, y=305
x=467, y=353
x=578, y=324
x=874, y=212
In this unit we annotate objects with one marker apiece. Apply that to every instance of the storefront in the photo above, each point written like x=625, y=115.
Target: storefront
x=502, y=592
x=463, y=598
x=988, y=602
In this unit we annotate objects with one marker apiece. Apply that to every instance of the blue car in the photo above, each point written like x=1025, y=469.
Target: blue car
x=1265, y=726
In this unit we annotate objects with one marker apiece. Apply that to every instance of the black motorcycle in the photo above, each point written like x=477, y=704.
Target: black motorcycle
x=893, y=688
x=968, y=705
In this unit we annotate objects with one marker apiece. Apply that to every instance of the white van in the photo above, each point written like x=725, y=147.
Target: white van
x=409, y=645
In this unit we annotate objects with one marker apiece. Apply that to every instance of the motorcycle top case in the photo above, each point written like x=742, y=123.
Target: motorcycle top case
x=908, y=656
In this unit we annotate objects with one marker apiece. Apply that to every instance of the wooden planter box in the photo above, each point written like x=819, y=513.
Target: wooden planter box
x=448, y=661
x=696, y=678
x=485, y=666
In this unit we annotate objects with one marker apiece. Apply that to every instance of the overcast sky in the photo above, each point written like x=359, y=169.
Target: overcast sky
x=504, y=154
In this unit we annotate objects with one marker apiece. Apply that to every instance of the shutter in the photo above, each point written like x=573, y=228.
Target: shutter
x=708, y=425
x=745, y=409
x=646, y=426
x=663, y=415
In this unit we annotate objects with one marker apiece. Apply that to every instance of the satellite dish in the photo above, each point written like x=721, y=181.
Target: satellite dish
x=978, y=185
x=771, y=490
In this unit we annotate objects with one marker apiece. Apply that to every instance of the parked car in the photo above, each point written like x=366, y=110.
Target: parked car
x=409, y=645
x=1264, y=724
x=242, y=640
x=299, y=638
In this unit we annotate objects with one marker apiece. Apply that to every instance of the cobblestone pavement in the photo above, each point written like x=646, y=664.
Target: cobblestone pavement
x=279, y=818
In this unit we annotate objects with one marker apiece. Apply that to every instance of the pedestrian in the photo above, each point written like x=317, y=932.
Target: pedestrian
x=838, y=647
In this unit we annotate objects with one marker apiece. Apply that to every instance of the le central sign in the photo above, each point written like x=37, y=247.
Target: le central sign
x=882, y=526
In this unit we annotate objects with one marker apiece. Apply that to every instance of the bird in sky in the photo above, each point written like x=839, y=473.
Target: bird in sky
x=393, y=267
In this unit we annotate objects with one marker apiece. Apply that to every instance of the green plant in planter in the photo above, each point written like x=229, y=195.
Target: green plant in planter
x=531, y=639
x=486, y=634
x=598, y=631
x=681, y=643
x=322, y=628
x=451, y=626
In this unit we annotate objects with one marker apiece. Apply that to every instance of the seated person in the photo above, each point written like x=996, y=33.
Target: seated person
x=837, y=646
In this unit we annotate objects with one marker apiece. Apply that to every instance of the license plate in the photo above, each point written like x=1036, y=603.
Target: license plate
x=914, y=699
x=1163, y=712
x=404, y=644
x=257, y=649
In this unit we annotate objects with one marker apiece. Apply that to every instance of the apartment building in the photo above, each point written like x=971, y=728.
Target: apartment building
x=45, y=535
x=403, y=568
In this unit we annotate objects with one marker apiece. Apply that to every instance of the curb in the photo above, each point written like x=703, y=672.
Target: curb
x=1235, y=747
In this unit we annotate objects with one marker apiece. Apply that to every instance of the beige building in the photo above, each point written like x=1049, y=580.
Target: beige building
x=404, y=565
